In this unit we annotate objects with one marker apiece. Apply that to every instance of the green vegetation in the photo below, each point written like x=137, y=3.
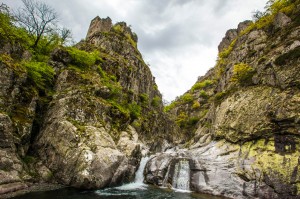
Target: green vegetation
x=286, y=57
x=40, y=74
x=144, y=98
x=120, y=29
x=186, y=98
x=226, y=52
x=242, y=73
x=201, y=85
x=220, y=96
x=156, y=101
x=196, y=105
x=183, y=121
x=222, y=60
x=83, y=59
x=266, y=18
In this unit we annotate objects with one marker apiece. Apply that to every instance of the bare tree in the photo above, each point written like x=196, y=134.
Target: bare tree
x=65, y=35
x=37, y=18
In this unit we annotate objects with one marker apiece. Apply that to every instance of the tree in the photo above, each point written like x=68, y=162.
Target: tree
x=37, y=18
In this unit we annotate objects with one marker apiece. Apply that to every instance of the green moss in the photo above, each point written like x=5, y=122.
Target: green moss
x=271, y=163
x=10, y=62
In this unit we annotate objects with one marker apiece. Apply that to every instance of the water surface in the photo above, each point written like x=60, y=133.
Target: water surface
x=146, y=192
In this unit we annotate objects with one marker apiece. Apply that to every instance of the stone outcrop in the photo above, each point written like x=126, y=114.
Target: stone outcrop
x=244, y=143
x=99, y=25
x=90, y=124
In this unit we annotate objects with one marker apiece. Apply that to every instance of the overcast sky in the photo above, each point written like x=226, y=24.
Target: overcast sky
x=178, y=38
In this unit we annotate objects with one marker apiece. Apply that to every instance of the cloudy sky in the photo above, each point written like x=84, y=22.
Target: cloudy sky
x=178, y=38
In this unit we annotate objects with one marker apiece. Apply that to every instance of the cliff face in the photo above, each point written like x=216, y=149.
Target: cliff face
x=242, y=117
x=84, y=117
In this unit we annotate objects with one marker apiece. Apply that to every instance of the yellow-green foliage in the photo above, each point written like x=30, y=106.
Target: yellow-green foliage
x=183, y=121
x=171, y=106
x=40, y=73
x=186, y=98
x=270, y=162
x=8, y=61
x=222, y=60
x=196, y=105
x=242, y=73
x=118, y=28
x=144, y=98
x=83, y=59
x=272, y=8
x=201, y=85
x=11, y=33
x=156, y=101
x=225, y=53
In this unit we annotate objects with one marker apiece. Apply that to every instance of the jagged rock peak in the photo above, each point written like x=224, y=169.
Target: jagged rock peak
x=99, y=25
x=232, y=34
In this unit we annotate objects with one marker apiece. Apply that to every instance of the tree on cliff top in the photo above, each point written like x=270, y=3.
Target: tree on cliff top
x=37, y=18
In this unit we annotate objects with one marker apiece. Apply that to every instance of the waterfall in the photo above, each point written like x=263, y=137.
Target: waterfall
x=181, y=177
x=139, y=177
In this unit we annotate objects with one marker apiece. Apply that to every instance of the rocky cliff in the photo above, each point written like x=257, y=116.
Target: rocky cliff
x=79, y=116
x=241, y=120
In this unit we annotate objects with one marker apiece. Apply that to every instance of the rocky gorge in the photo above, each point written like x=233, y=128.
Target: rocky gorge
x=86, y=116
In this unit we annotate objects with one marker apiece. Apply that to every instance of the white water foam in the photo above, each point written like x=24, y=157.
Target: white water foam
x=139, y=178
x=181, y=178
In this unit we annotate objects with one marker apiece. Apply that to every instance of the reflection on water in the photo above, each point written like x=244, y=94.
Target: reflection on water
x=144, y=192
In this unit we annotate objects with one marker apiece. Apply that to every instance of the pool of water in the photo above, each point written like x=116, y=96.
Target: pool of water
x=124, y=192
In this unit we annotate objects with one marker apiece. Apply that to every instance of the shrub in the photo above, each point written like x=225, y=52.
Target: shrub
x=156, y=101
x=196, y=105
x=183, y=121
x=203, y=94
x=144, y=98
x=225, y=53
x=40, y=73
x=220, y=96
x=170, y=106
x=201, y=85
x=81, y=58
x=186, y=98
x=242, y=73
x=135, y=110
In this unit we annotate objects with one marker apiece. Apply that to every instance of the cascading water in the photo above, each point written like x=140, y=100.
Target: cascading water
x=181, y=176
x=139, y=177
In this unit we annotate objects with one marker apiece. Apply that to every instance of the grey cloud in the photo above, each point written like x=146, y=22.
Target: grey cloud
x=180, y=31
